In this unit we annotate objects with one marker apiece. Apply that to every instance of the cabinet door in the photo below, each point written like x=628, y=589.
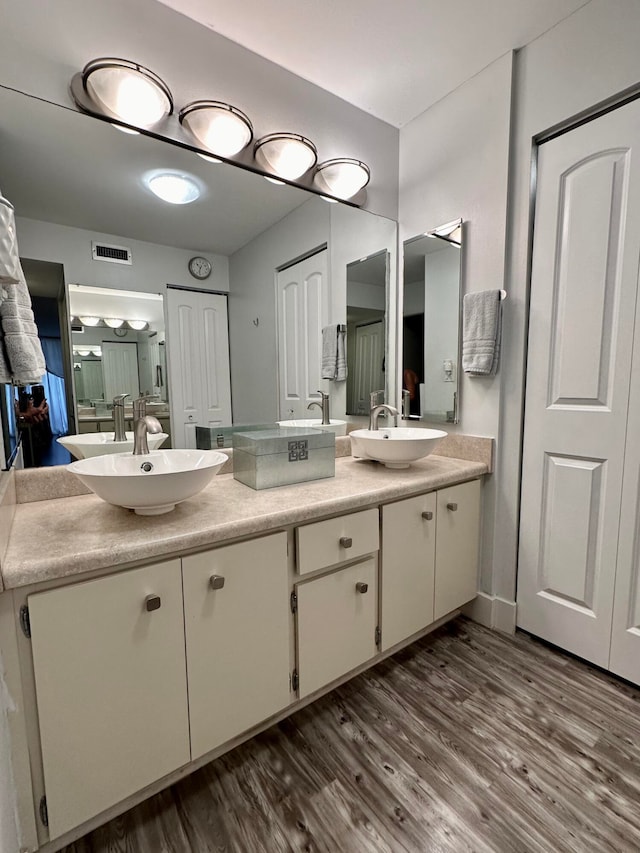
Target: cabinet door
x=408, y=557
x=237, y=638
x=111, y=689
x=457, y=545
x=337, y=620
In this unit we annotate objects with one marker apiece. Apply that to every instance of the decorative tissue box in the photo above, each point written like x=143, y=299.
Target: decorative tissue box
x=278, y=457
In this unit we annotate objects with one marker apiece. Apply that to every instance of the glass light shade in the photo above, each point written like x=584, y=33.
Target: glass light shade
x=173, y=187
x=113, y=323
x=209, y=158
x=89, y=321
x=138, y=325
x=84, y=352
x=342, y=178
x=218, y=127
x=287, y=155
x=97, y=351
x=127, y=91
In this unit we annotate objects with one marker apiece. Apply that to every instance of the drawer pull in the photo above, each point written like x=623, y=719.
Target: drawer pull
x=427, y=515
x=152, y=602
x=346, y=542
x=453, y=507
x=216, y=581
x=362, y=587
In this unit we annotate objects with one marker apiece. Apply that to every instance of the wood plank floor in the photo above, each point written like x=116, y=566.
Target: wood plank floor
x=467, y=741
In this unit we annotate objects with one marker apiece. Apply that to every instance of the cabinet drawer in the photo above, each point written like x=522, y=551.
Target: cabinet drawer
x=326, y=543
x=336, y=624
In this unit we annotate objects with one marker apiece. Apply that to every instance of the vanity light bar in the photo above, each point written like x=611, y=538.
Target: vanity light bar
x=131, y=96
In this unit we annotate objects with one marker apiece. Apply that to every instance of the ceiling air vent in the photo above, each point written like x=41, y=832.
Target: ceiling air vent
x=111, y=254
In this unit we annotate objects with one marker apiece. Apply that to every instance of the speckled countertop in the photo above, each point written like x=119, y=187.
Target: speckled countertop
x=58, y=538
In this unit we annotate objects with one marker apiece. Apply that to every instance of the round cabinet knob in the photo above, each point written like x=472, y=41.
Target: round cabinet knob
x=362, y=587
x=190, y=417
x=152, y=602
x=428, y=516
x=346, y=542
x=216, y=581
x=453, y=507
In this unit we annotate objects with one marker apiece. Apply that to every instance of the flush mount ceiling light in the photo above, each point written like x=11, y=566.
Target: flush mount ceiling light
x=138, y=325
x=173, y=187
x=218, y=127
x=89, y=321
x=342, y=177
x=113, y=323
x=287, y=155
x=124, y=90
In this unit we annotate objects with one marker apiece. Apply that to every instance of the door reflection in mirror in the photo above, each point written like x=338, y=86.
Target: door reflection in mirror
x=431, y=323
x=366, y=302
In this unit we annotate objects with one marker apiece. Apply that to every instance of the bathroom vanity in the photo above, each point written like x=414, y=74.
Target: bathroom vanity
x=138, y=649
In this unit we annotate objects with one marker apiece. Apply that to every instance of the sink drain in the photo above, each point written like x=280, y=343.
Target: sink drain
x=146, y=466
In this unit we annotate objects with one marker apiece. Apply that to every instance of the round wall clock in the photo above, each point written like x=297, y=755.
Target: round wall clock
x=200, y=267
x=120, y=333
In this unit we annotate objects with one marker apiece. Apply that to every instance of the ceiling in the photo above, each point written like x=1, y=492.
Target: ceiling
x=391, y=59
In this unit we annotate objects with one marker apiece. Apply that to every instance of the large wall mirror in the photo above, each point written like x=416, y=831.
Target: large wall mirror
x=77, y=184
x=431, y=323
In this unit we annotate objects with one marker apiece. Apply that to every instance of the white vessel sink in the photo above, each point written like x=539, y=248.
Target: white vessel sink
x=98, y=443
x=395, y=447
x=335, y=426
x=150, y=484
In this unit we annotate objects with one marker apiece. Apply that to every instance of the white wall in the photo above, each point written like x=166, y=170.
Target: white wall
x=44, y=44
x=586, y=59
x=454, y=163
x=153, y=266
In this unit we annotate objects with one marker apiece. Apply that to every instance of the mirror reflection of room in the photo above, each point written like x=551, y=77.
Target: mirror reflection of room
x=431, y=323
x=366, y=312
x=257, y=231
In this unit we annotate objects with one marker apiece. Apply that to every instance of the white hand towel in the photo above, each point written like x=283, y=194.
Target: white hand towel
x=481, y=332
x=23, y=356
x=334, y=359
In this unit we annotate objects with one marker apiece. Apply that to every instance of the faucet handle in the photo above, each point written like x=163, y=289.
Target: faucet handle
x=373, y=397
x=118, y=400
x=323, y=394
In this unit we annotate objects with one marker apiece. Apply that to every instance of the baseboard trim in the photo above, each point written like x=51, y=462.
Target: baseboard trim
x=492, y=612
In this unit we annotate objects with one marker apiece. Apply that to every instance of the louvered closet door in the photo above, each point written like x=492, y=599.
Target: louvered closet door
x=583, y=298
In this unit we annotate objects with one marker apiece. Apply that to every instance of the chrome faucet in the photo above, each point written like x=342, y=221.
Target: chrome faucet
x=376, y=411
x=323, y=406
x=406, y=404
x=118, y=417
x=142, y=424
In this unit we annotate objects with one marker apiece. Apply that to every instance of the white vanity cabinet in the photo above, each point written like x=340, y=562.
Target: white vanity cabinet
x=110, y=677
x=337, y=616
x=237, y=628
x=337, y=608
x=408, y=567
x=457, y=546
x=429, y=559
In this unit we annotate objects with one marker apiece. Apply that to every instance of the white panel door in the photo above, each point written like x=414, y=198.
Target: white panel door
x=120, y=369
x=583, y=292
x=200, y=388
x=625, y=635
x=369, y=373
x=302, y=294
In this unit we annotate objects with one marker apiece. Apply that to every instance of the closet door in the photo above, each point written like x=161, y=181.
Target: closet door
x=583, y=295
x=302, y=294
x=625, y=635
x=200, y=387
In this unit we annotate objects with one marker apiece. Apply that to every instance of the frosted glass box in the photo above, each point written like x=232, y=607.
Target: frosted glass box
x=277, y=457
